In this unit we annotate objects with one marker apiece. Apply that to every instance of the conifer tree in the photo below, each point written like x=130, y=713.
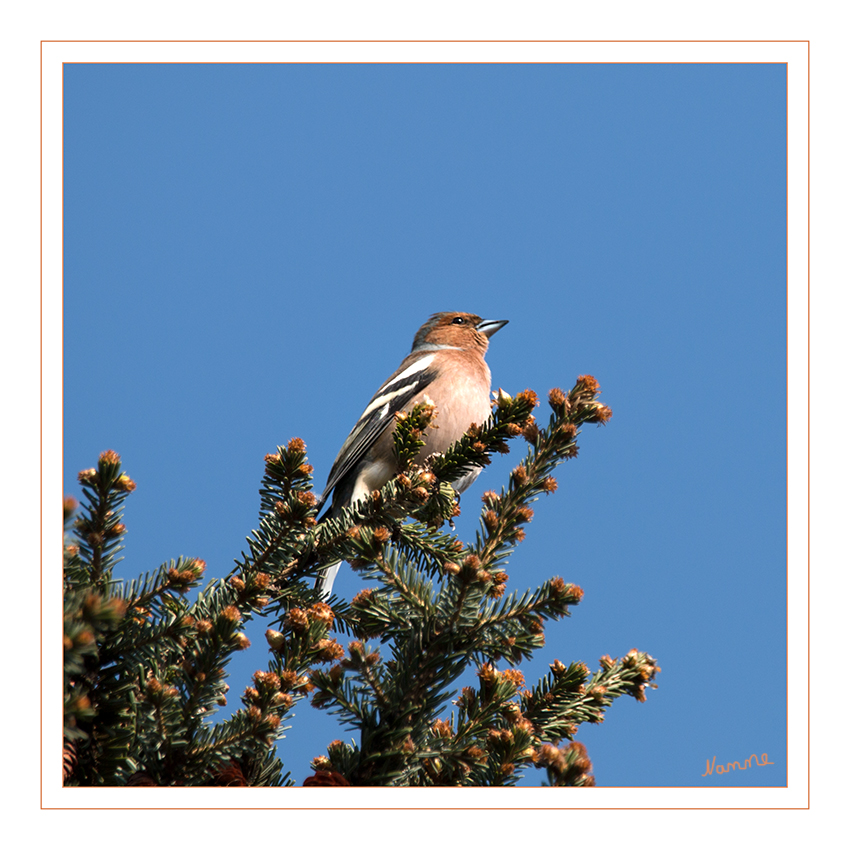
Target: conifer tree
x=145, y=667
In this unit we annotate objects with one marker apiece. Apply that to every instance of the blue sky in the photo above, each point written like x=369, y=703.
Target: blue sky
x=249, y=250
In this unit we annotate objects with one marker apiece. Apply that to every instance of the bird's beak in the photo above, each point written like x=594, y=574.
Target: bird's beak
x=489, y=326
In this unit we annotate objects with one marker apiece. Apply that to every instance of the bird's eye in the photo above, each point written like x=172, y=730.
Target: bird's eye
x=458, y=320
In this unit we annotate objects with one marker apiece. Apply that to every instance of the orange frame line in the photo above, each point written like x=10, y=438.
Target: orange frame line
x=787, y=321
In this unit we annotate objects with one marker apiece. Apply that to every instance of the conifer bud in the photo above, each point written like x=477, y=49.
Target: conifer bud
x=231, y=614
x=296, y=445
x=296, y=621
x=528, y=397
x=124, y=483
x=275, y=640
x=266, y=679
x=587, y=385
x=597, y=692
x=520, y=474
x=322, y=613
x=530, y=430
x=363, y=598
x=558, y=401
x=282, y=700
x=329, y=650
x=116, y=530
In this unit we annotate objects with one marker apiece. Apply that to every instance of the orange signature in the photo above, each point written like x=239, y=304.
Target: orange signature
x=713, y=767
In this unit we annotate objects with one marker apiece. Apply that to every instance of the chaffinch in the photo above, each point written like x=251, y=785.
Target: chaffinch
x=447, y=365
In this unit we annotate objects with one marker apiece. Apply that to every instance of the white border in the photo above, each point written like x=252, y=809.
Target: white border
x=54, y=54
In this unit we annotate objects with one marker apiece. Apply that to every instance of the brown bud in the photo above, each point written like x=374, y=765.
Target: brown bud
x=321, y=612
x=363, y=598
x=524, y=513
x=528, y=397
x=558, y=401
x=125, y=483
x=326, y=778
x=283, y=700
x=530, y=430
x=296, y=621
x=587, y=384
x=267, y=679
x=602, y=413
x=276, y=640
x=329, y=650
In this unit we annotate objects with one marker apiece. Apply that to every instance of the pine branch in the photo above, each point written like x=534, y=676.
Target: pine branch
x=145, y=668
x=99, y=530
x=566, y=698
x=435, y=631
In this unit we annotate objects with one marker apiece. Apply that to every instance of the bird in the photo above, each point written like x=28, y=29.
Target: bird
x=445, y=367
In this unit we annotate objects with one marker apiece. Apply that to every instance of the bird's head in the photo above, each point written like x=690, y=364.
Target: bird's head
x=463, y=331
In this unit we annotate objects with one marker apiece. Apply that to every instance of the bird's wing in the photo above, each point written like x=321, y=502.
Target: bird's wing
x=412, y=377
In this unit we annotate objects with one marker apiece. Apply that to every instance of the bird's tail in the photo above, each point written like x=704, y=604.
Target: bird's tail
x=325, y=580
